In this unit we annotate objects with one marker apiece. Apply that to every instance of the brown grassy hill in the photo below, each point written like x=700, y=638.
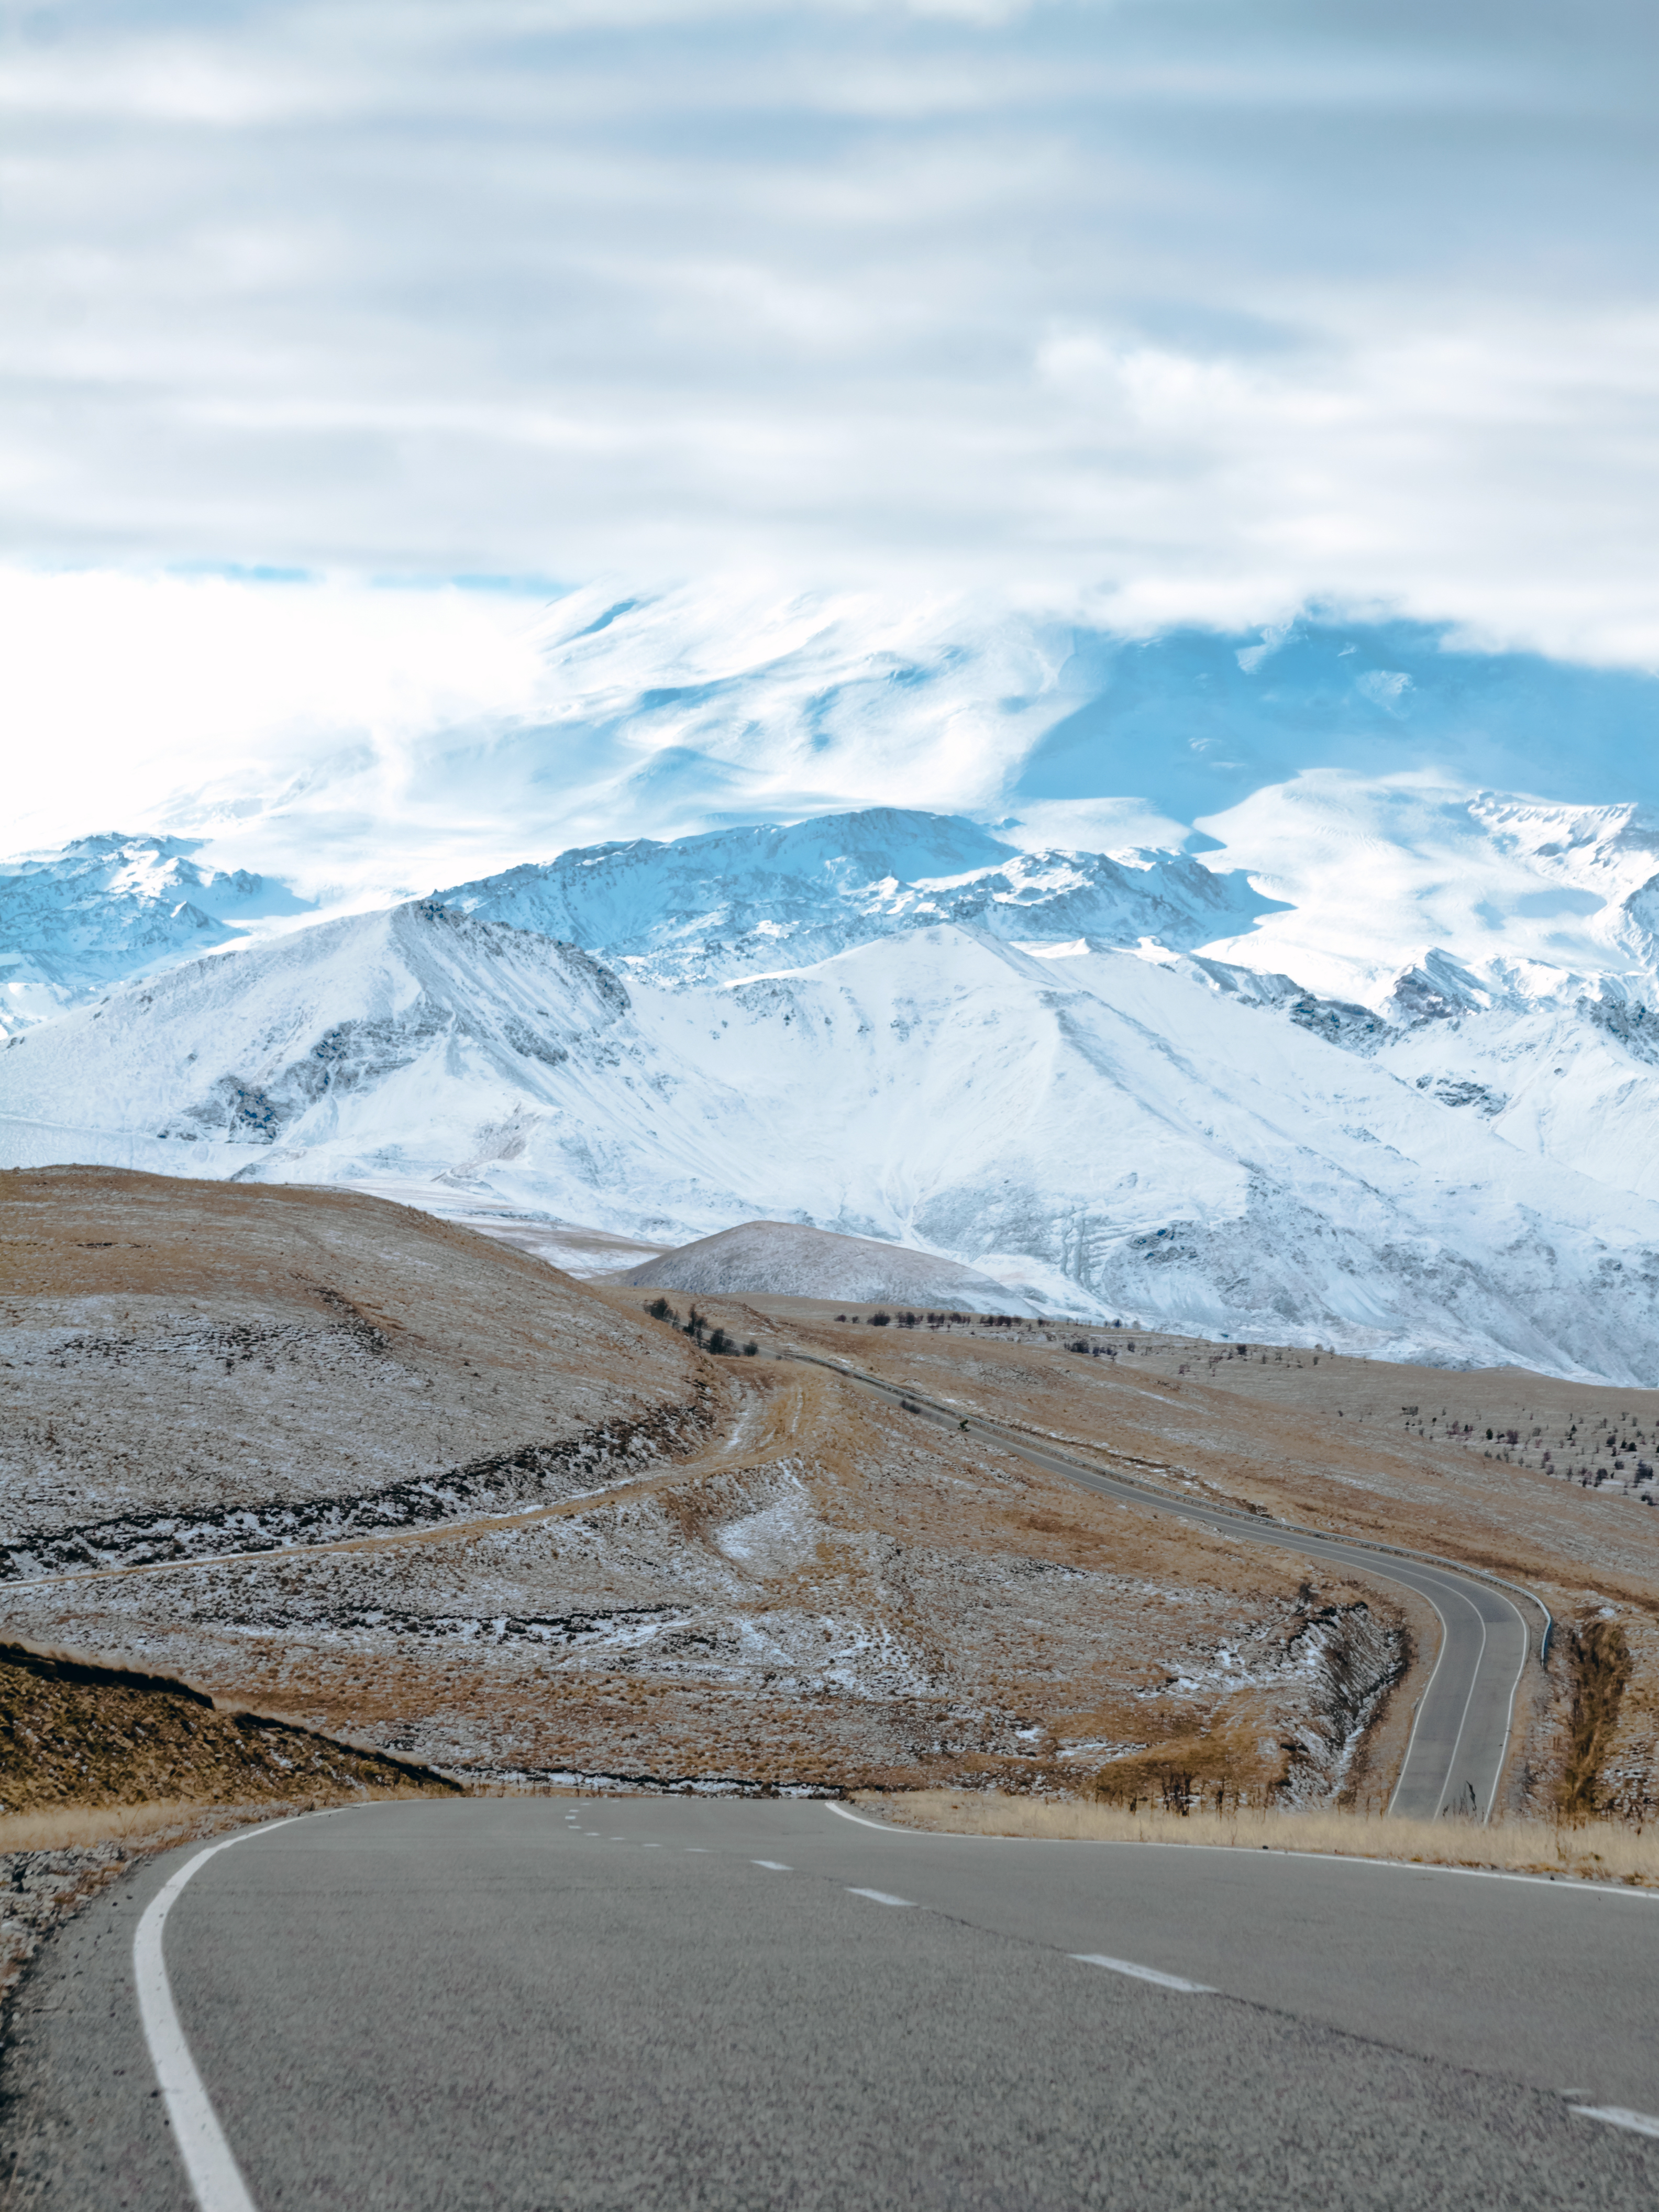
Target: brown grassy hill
x=818, y=1593
x=526, y=1530
x=197, y=1368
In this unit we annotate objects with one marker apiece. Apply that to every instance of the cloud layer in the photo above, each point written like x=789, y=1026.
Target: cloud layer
x=1171, y=310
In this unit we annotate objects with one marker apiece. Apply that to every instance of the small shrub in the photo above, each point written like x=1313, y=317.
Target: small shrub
x=720, y=1342
x=880, y=1320
x=749, y=1350
x=660, y=1310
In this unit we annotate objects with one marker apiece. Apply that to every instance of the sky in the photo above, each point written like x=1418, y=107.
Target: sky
x=345, y=343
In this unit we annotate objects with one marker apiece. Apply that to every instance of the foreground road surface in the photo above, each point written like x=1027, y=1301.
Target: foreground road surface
x=646, y=2003
x=1460, y=1736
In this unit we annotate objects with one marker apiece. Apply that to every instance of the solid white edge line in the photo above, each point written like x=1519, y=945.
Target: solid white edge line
x=1617, y=2116
x=882, y=1827
x=1568, y=1883
x=215, y=2176
x=1143, y=1973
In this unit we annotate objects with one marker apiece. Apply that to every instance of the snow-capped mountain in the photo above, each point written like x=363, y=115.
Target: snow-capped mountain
x=74, y=920
x=740, y=901
x=1113, y=1132
x=1228, y=1090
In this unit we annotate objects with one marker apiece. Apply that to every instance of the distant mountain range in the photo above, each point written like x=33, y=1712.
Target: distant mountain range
x=74, y=920
x=899, y=1026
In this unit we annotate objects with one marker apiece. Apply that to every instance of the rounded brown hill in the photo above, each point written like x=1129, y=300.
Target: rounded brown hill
x=787, y=1260
x=188, y=1369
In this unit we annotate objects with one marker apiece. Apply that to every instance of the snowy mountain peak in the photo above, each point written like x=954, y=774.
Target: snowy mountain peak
x=737, y=902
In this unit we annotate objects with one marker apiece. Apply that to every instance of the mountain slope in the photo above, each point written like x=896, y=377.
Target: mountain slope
x=1105, y=1132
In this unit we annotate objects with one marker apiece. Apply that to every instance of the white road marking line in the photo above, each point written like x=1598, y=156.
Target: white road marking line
x=1639, y=2124
x=881, y=1827
x=650, y=1847
x=697, y=1850
x=879, y=1896
x=215, y=2176
x=774, y=1866
x=1143, y=1973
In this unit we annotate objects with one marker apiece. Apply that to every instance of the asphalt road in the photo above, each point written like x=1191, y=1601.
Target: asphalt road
x=1460, y=1727
x=577, y=2005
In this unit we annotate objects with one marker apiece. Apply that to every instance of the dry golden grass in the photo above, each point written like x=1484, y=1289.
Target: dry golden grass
x=1595, y=1850
x=78, y=1827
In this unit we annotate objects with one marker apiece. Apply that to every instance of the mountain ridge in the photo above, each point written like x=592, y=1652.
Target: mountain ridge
x=1099, y=1130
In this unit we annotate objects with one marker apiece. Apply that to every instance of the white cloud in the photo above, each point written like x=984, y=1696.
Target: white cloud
x=369, y=744
x=1196, y=310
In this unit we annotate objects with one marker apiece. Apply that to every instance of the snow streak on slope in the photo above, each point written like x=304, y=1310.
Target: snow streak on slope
x=1111, y=1133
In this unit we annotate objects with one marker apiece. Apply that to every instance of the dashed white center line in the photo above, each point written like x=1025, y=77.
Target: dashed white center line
x=1617, y=2116
x=697, y=1850
x=1143, y=1973
x=774, y=1866
x=879, y=1897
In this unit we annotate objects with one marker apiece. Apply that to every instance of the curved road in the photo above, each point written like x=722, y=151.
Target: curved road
x=1461, y=1730
x=537, y=2005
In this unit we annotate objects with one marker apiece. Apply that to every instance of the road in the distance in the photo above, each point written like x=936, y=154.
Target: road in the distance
x=541, y=2005
x=1460, y=1726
